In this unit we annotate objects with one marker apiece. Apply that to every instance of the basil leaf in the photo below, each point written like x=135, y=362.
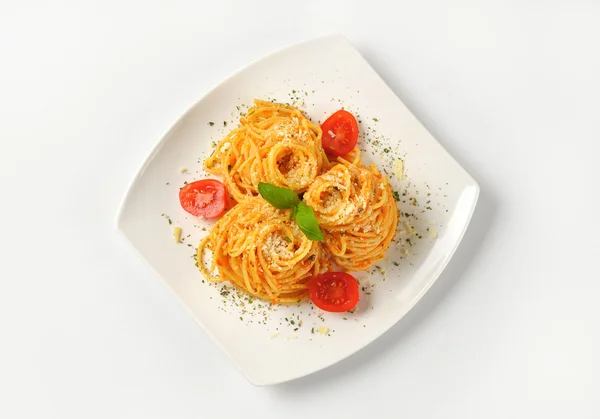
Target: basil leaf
x=305, y=218
x=280, y=198
x=294, y=212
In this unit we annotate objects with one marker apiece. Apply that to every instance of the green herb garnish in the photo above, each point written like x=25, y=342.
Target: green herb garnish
x=280, y=198
x=305, y=218
x=294, y=212
x=284, y=198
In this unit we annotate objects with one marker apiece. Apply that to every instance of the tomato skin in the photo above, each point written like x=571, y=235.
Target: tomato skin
x=344, y=127
x=207, y=198
x=334, y=291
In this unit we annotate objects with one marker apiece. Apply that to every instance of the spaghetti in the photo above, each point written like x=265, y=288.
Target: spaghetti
x=274, y=143
x=355, y=207
x=257, y=248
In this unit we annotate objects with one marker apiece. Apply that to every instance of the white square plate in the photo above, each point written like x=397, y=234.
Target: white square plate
x=276, y=344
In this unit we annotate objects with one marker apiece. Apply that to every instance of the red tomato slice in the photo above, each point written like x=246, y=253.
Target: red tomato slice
x=334, y=291
x=207, y=197
x=340, y=133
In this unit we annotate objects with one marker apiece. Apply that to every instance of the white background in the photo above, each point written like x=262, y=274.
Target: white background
x=511, y=89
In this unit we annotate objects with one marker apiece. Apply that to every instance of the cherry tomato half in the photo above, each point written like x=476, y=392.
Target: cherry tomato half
x=334, y=291
x=340, y=133
x=207, y=197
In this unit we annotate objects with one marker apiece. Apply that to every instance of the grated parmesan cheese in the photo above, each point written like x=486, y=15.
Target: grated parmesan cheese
x=177, y=234
x=399, y=168
x=225, y=147
x=275, y=247
x=410, y=229
x=323, y=330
